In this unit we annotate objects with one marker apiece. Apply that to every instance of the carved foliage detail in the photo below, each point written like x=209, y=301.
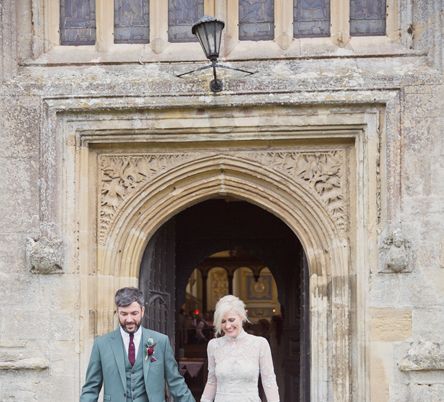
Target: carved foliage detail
x=120, y=175
x=321, y=171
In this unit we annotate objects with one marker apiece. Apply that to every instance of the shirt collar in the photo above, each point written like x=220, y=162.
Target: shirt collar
x=125, y=335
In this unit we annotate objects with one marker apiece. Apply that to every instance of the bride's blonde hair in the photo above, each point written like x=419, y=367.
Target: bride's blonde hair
x=225, y=305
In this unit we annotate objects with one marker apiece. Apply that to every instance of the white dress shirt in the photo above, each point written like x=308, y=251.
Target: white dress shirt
x=126, y=339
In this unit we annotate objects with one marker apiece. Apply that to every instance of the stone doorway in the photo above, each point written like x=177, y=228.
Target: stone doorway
x=306, y=166
x=247, y=236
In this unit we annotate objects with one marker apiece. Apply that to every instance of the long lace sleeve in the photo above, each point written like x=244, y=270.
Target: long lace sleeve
x=267, y=372
x=211, y=385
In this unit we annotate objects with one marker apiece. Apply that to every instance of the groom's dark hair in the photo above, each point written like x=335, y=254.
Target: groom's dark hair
x=126, y=296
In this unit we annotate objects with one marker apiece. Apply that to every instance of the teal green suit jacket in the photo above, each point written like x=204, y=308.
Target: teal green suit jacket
x=107, y=367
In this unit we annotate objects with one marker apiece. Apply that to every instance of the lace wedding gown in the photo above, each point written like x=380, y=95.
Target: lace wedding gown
x=234, y=365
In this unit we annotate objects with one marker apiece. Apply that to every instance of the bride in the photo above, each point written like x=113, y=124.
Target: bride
x=236, y=359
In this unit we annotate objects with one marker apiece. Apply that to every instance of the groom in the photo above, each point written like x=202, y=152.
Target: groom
x=133, y=362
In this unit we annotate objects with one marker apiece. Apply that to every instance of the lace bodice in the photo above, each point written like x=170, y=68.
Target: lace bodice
x=234, y=365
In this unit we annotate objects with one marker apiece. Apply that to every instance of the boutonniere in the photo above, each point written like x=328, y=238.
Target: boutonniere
x=149, y=350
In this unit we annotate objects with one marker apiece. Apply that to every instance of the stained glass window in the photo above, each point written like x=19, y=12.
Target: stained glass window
x=367, y=17
x=77, y=22
x=182, y=14
x=311, y=18
x=131, y=21
x=256, y=19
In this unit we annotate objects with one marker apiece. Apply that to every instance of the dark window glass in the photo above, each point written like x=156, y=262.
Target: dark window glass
x=131, y=21
x=311, y=18
x=367, y=17
x=182, y=14
x=256, y=19
x=77, y=22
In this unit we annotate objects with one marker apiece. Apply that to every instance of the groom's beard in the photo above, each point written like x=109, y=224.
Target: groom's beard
x=130, y=328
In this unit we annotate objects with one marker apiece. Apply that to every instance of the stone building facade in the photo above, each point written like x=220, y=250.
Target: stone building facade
x=338, y=136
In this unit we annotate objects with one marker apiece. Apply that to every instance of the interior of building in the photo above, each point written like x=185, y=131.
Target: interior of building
x=228, y=246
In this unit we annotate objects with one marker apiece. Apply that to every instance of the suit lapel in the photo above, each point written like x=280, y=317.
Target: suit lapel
x=146, y=361
x=119, y=354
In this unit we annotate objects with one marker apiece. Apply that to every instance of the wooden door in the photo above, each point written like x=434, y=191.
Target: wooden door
x=157, y=280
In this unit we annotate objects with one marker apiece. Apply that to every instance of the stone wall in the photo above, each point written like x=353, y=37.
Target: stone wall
x=397, y=279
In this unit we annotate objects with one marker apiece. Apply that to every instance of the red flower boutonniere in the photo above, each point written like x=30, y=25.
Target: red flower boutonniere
x=149, y=350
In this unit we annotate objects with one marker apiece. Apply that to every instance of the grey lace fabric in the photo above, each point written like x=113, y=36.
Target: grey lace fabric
x=234, y=366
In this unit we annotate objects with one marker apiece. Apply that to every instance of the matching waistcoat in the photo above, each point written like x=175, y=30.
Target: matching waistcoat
x=135, y=384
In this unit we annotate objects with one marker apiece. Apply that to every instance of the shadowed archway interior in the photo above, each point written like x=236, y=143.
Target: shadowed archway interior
x=199, y=231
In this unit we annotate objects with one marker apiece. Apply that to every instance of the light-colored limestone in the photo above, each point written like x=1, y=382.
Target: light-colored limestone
x=389, y=325
x=376, y=102
x=423, y=356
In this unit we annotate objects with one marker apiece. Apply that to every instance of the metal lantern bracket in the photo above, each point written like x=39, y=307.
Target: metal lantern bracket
x=208, y=31
x=216, y=84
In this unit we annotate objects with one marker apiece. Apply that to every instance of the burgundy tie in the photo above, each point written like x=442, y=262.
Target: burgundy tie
x=131, y=350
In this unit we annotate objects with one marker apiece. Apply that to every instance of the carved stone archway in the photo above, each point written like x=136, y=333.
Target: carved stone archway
x=304, y=189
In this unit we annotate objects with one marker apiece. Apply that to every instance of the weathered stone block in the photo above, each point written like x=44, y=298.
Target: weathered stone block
x=45, y=256
x=390, y=325
x=423, y=356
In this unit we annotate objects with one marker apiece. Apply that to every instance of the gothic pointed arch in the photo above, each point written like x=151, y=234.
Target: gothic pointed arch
x=294, y=200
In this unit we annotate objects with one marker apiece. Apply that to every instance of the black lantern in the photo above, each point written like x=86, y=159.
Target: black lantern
x=208, y=31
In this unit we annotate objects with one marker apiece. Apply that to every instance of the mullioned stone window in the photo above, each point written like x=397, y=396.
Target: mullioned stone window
x=256, y=20
x=160, y=30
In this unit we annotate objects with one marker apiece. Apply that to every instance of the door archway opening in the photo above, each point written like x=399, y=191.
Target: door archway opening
x=229, y=246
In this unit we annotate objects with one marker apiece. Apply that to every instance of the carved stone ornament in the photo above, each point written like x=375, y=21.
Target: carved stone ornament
x=423, y=356
x=45, y=256
x=396, y=254
x=322, y=172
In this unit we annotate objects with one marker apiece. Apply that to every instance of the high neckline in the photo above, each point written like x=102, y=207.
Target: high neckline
x=242, y=334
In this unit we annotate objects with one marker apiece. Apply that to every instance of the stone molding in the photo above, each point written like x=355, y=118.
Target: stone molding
x=121, y=176
x=423, y=356
x=45, y=256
